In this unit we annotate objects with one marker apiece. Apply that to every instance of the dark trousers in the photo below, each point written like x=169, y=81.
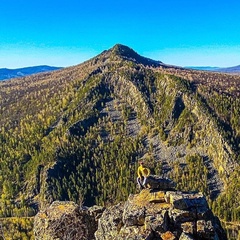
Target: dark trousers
x=141, y=182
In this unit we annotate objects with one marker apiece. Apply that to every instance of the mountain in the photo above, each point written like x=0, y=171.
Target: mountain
x=78, y=133
x=203, y=68
x=234, y=70
x=6, y=73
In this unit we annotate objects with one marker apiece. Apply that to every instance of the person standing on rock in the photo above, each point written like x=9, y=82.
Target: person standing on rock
x=142, y=173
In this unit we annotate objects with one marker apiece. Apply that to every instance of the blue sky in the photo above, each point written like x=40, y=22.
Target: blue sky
x=67, y=32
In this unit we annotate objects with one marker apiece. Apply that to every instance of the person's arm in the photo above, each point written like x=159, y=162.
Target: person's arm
x=139, y=172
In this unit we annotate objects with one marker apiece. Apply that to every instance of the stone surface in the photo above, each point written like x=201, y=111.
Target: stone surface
x=185, y=201
x=185, y=236
x=168, y=236
x=133, y=214
x=205, y=229
x=156, y=182
x=158, y=222
x=177, y=216
x=188, y=227
x=134, y=233
x=183, y=216
x=157, y=197
x=110, y=223
x=65, y=220
x=151, y=214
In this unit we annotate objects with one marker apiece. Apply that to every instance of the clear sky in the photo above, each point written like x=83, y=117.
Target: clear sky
x=67, y=32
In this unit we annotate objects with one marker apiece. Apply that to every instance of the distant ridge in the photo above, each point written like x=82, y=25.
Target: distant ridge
x=203, y=68
x=235, y=69
x=6, y=73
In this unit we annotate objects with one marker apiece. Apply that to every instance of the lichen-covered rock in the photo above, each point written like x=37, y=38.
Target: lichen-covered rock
x=158, y=222
x=135, y=233
x=110, y=223
x=66, y=220
x=185, y=201
x=149, y=215
x=178, y=216
x=154, y=214
x=168, y=236
x=186, y=236
x=188, y=227
x=205, y=229
x=96, y=211
x=157, y=197
x=133, y=214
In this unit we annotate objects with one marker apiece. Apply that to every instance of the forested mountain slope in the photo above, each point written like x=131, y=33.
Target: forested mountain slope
x=78, y=133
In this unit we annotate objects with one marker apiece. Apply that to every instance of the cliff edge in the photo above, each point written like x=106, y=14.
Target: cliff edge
x=150, y=214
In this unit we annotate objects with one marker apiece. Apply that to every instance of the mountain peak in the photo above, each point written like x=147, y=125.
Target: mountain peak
x=128, y=53
x=123, y=50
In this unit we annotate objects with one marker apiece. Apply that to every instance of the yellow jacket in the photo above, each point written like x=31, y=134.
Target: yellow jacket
x=142, y=171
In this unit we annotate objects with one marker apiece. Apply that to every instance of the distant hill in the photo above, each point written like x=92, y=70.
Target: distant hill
x=203, y=68
x=235, y=69
x=6, y=73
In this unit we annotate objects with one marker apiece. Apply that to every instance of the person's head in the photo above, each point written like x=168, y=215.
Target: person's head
x=141, y=163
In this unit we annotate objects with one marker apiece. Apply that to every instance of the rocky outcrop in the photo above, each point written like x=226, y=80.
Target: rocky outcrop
x=156, y=182
x=66, y=220
x=151, y=214
x=160, y=215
